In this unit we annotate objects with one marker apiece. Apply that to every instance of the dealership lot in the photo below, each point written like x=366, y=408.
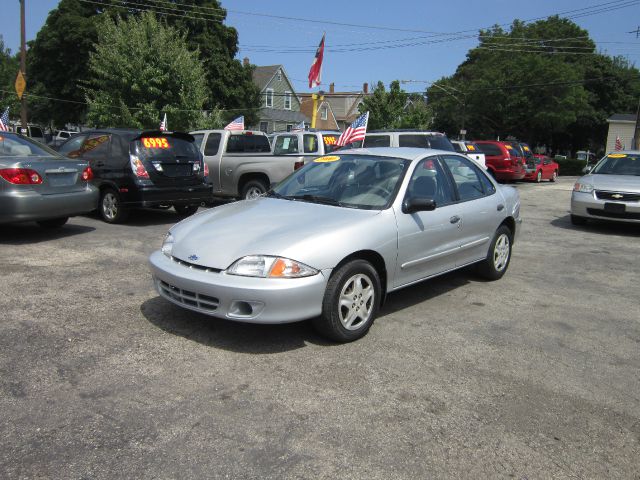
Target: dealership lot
x=533, y=376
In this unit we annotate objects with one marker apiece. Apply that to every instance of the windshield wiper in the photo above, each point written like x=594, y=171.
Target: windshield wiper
x=317, y=199
x=273, y=194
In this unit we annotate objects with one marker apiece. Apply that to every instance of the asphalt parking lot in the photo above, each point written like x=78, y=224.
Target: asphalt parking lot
x=534, y=376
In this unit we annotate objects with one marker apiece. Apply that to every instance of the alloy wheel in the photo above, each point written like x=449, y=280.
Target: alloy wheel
x=356, y=301
x=501, y=252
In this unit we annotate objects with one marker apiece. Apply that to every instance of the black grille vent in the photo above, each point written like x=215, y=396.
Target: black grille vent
x=619, y=196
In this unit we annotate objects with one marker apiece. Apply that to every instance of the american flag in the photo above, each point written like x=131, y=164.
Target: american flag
x=299, y=127
x=316, y=67
x=618, y=145
x=4, y=121
x=237, y=124
x=163, y=124
x=356, y=131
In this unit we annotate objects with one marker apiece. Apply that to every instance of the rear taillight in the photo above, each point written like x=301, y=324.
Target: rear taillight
x=298, y=164
x=21, y=176
x=87, y=174
x=206, y=169
x=138, y=167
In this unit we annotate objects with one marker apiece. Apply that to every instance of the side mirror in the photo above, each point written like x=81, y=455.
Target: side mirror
x=418, y=204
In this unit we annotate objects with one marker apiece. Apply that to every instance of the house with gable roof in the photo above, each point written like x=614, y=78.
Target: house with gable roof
x=280, y=110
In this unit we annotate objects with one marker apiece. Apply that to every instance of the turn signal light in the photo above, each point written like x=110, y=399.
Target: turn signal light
x=21, y=176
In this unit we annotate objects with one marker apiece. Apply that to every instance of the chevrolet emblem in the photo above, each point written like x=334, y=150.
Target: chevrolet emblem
x=617, y=195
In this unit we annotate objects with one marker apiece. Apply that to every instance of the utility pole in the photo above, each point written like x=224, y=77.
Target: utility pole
x=23, y=70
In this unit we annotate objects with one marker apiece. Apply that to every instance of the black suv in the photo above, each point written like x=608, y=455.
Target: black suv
x=135, y=168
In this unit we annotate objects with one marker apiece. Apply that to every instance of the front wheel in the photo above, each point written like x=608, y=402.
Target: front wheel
x=53, y=222
x=554, y=176
x=111, y=209
x=253, y=189
x=350, y=303
x=495, y=265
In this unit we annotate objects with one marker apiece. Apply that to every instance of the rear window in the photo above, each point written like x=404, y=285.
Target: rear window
x=490, y=149
x=35, y=132
x=166, y=146
x=377, y=141
x=15, y=146
x=243, y=143
x=514, y=149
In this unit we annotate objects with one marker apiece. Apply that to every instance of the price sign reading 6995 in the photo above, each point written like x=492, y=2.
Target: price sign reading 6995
x=155, y=143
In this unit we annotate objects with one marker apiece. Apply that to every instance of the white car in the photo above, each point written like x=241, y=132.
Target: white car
x=471, y=150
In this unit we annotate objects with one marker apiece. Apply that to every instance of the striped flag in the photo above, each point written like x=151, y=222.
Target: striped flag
x=237, y=124
x=356, y=131
x=299, y=127
x=163, y=124
x=316, y=66
x=618, y=145
x=4, y=121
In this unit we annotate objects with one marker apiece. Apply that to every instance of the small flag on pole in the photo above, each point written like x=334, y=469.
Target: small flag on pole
x=163, y=124
x=4, y=121
x=237, y=124
x=356, y=131
x=316, y=66
x=618, y=145
x=299, y=127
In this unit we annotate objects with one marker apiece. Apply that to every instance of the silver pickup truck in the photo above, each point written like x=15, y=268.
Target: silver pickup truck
x=240, y=162
x=305, y=145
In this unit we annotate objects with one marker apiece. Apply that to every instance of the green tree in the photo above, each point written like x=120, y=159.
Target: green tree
x=395, y=108
x=141, y=70
x=9, y=67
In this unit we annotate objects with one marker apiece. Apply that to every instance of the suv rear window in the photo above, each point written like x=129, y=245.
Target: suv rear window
x=490, y=149
x=166, y=146
x=248, y=144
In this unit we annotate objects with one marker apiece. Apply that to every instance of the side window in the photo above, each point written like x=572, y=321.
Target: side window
x=97, y=146
x=377, y=141
x=310, y=144
x=213, y=143
x=416, y=141
x=285, y=144
x=457, y=147
x=71, y=148
x=119, y=151
x=429, y=180
x=468, y=178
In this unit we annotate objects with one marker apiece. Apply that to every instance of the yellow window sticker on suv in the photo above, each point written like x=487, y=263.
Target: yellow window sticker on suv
x=330, y=158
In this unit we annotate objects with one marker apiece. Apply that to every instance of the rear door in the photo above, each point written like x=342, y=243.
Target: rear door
x=96, y=150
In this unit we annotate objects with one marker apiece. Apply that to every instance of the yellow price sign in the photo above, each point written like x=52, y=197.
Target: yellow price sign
x=617, y=155
x=330, y=158
x=21, y=84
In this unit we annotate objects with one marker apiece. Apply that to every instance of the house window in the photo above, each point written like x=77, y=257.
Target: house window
x=289, y=126
x=287, y=100
x=279, y=75
x=324, y=113
x=264, y=127
x=269, y=98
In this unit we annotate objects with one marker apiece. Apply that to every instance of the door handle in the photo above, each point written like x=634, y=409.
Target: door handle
x=500, y=207
x=454, y=219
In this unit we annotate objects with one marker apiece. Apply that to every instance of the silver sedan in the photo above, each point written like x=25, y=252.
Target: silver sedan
x=38, y=184
x=611, y=191
x=330, y=241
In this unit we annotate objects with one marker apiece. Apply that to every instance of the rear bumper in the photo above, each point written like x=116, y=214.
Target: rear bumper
x=29, y=206
x=513, y=173
x=531, y=175
x=151, y=195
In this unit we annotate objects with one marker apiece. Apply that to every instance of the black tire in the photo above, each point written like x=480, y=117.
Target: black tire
x=554, y=176
x=495, y=265
x=110, y=207
x=53, y=222
x=359, y=281
x=253, y=188
x=576, y=220
x=186, y=210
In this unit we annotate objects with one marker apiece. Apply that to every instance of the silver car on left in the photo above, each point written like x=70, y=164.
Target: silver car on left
x=38, y=184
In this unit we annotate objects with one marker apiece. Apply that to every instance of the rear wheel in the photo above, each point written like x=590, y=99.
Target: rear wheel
x=111, y=209
x=554, y=176
x=576, y=220
x=499, y=255
x=539, y=176
x=53, y=222
x=185, y=210
x=253, y=188
x=350, y=303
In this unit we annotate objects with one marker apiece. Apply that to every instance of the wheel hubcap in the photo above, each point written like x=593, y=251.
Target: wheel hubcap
x=501, y=252
x=539, y=176
x=110, y=206
x=253, y=192
x=356, y=302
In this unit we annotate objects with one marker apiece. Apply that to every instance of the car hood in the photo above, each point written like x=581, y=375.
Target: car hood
x=625, y=183
x=269, y=226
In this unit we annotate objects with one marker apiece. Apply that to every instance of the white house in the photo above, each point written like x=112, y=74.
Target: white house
x=620, y=125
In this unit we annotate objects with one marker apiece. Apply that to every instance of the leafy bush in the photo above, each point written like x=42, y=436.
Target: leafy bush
x=571, y=166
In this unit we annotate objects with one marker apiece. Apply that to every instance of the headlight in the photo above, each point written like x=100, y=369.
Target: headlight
x=167, y=244
x=583, y=187
x=272, y=267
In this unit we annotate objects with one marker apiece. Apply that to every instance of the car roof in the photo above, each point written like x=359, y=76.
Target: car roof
x=405, y=153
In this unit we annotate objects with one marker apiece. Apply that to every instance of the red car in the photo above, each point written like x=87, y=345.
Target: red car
x=541, y=167
x=503, y=159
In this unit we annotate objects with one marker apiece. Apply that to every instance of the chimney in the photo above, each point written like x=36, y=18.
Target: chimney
x=365, y=87
x=245, y=61
x=332, y=87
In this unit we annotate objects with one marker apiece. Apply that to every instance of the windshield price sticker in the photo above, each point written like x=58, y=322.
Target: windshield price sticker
x=617, y=155
x=330, y=158
x=155, y=143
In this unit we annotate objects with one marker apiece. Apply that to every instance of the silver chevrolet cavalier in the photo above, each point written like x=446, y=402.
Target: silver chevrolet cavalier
x=611, y=190
x=330, y=241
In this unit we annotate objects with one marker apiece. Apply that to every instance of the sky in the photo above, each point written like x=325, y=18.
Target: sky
x=407, y=40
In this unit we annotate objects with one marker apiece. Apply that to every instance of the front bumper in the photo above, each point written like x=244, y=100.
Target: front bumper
x=245, y=299
x=30, y=206
x=588, y=206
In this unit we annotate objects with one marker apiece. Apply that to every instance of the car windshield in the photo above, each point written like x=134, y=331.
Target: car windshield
x=17, y=146
x=619, y=164
x=353, y=181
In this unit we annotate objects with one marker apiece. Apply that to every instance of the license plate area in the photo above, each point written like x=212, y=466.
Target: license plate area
x=615, y=207
x=61, y=179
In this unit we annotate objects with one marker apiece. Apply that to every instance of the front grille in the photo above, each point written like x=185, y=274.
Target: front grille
x=617, y=196
x=196, y=267
x=192, y=299
x=621, y=215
